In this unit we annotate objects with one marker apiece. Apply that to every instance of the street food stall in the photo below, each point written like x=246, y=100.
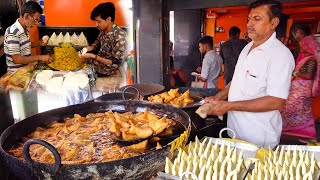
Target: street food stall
x=58, y=27
x=71, y=124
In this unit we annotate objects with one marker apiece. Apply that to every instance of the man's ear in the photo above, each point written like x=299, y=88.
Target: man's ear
x=275, y=22
x=108, y=19
x=207, y=46
x=25, y=15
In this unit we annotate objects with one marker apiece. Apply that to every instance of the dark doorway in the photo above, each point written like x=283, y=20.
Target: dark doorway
x=187, y=32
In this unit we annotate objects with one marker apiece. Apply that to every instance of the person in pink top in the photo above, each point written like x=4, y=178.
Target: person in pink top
x=297, y=115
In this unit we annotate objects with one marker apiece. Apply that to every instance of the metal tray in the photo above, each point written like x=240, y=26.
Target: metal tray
x=310, y=149
x=248, y=150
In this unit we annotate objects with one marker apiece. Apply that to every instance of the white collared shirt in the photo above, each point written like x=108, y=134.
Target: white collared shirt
x=211, y=67
x=265, y=71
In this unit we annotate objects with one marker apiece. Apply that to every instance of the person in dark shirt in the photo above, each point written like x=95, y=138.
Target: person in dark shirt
x=112, y=42
x=299, y=32
x=178, y=77
x=230, y=51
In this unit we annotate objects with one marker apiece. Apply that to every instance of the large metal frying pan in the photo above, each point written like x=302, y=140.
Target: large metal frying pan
x=138, y=167
x=128, y=93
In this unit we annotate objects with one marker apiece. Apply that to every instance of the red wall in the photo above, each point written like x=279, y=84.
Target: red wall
x=229, y=20
x=237, y=16
x=77, y=12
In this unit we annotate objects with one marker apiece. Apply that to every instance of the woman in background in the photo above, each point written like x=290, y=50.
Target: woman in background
x=297, y=113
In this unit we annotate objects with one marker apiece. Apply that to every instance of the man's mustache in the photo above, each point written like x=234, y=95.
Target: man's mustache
x=251, y=29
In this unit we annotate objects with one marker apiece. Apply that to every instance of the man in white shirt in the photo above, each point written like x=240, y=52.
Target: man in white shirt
x=211, y=65
x=261, y=81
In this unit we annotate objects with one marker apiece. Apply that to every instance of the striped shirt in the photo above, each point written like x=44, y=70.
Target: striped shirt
x=16, y=41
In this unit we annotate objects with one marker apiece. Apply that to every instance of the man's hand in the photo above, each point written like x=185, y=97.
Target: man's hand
x=45, y=58
x=219, y=108
x=43, y=43
x=88, y=55
x=212, y=98
x=199, y=69
x=90, y=48
x=195, y=74
x=44, y=40
x=217, y=97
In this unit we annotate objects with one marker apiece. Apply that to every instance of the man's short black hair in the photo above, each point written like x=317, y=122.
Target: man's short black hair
x=31, y=7
x=304, y=28
x=207, y=40
x=274, y=7
x=104, y=10
x=234, y=31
